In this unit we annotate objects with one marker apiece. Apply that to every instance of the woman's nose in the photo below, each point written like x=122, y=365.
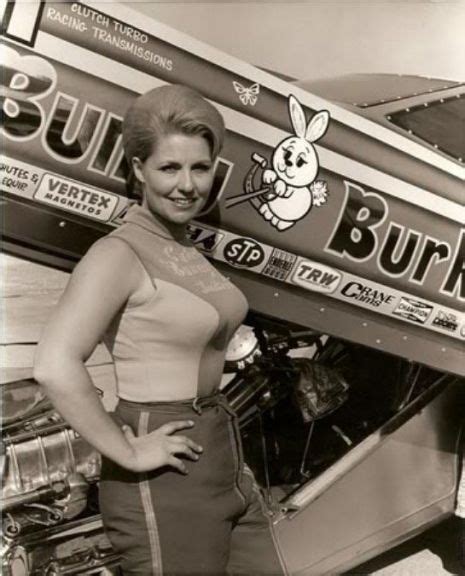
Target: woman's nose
x=185, y=183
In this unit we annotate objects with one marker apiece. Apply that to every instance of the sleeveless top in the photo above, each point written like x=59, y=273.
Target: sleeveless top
x=172, y=345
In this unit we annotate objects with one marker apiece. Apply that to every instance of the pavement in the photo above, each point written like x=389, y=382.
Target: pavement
x=436, y=552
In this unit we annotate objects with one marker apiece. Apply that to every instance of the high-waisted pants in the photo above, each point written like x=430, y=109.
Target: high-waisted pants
x=212, y=521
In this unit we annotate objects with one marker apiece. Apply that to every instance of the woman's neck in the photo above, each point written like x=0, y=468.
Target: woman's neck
x=143, y=216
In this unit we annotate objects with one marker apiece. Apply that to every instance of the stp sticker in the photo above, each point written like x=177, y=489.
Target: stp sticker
x=244, y=253
x=316, y=277
x=414, y=310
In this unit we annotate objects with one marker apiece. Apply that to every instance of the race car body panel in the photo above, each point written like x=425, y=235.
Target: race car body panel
x=337, y=208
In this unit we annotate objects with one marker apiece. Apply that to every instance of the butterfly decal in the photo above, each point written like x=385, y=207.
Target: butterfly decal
x=247, y=95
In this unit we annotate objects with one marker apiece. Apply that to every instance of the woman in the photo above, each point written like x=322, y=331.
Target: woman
x=175, y=494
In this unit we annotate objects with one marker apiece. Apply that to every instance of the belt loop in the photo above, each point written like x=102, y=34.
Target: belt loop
x=223, y=401
x=196, y=406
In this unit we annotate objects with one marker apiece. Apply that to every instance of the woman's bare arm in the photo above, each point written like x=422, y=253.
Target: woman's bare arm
x=99, y=287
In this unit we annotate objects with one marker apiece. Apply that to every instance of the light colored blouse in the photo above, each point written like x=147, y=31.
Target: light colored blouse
x=171, y=346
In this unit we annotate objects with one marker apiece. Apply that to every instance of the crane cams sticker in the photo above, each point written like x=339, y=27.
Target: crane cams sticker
x=289, y=188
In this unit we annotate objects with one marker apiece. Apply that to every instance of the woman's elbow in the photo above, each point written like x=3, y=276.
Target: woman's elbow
x=47, y=369
x=44, y=373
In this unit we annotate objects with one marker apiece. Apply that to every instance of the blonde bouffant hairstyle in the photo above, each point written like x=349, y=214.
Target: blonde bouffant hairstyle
x=169, y=109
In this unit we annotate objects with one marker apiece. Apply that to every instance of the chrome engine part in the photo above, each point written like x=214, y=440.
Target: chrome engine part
x=78, y=547
x=47, y=472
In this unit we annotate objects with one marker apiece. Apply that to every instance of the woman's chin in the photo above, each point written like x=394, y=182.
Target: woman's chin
x=181, y=216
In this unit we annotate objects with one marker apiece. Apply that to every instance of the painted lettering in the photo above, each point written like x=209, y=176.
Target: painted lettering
x=25, y=81
x=60, y=139
x=355, y=235
x=433, y=251
x=66, y=20
x=455, y=281
x=398, y=250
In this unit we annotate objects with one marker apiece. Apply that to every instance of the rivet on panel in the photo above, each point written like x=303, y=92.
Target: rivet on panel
x=443, y=349
x=276, y=294
x=322, y=309
x=378, y=341
x=364, y=324
x=404, y=337
x=62, y=224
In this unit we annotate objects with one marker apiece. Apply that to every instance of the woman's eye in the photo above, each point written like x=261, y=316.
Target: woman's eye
x=169, y=169
x=202, y=168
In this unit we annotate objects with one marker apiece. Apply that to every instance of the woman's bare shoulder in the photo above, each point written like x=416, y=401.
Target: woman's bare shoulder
x=109, y=260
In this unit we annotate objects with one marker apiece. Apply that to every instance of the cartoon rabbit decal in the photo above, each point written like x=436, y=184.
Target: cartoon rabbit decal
x=295, y=166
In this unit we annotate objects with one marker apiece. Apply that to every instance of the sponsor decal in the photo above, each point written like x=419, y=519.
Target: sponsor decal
x=279, y=264
x=316, y=277
x=366, y=295
x=414, y=310
x=462, y=331
x=74, y=197
x=446, y=320
x=244, y=253
x=206, y=239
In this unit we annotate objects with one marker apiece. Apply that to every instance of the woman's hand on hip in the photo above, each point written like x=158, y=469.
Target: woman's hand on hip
x=162, y=447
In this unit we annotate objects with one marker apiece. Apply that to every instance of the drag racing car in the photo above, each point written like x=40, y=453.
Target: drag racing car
x=337, y=208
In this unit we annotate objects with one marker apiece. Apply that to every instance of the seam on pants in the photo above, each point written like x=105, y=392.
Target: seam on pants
x=237, y=462
x=147, y=505
x=258, y=492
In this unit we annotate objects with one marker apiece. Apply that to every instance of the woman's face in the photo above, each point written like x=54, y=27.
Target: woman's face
x=177, y=177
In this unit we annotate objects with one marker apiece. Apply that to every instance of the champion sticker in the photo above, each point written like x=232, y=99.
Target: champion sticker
x=414, y=310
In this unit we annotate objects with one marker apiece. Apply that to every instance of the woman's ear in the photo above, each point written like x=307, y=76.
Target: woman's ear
x=137, y=166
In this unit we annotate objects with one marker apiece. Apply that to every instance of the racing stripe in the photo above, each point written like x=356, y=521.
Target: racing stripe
x=147, y=504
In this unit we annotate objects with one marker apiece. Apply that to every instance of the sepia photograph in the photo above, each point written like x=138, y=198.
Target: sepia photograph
x=232, y=288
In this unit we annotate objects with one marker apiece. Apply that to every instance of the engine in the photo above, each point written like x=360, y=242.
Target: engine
x=49, y=480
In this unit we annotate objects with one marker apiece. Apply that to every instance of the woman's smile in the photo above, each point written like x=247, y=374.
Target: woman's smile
x=177, y=177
